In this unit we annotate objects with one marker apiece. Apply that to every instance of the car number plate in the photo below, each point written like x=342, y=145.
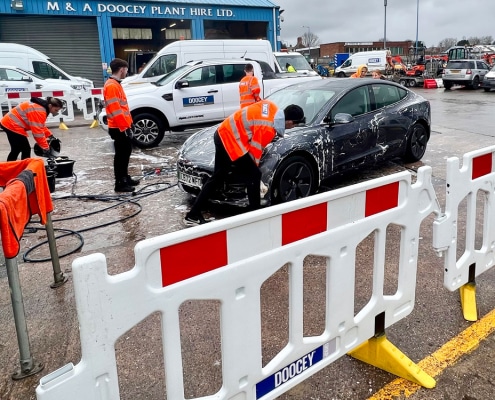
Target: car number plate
x=455, y=71
x=190, y=180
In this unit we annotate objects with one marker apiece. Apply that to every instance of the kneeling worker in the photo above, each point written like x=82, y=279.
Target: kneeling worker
x=239, y=141
x=29, y=116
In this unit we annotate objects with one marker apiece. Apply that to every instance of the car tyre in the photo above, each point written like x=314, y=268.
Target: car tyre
x=416, y=143
x=294, y=179
x=149, y=130
x=341, y=75
x=486, y=89
x=476, y=83
x=447, y=85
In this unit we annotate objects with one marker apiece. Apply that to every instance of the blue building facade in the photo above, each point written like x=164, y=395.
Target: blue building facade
x=79, y=34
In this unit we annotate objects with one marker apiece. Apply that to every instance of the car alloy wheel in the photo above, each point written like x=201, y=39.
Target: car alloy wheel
x=295, y=179
x=148, y=132
x=416, y=144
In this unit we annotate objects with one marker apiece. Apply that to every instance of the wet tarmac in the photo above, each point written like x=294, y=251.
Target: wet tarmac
x=462, y=120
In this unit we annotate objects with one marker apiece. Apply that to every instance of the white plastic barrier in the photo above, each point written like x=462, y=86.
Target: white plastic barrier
x=465, y=183
x=249, y=248
x=96, y=97
x=66, y=114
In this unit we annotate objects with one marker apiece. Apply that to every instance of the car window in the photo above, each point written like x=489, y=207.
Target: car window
x=13, y=75
x=162, y=65
x=47, y=71
x=482, y=65
x=201, y=76
x=232, y=73
x=386, y=95
x=458, y=65
x=356, y=102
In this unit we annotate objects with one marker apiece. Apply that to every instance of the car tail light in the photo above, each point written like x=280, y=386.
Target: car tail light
x=469, y=72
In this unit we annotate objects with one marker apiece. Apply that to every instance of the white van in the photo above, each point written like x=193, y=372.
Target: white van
x=375, y=60
x=297, y=60
x=178, y=53
x=34, y=61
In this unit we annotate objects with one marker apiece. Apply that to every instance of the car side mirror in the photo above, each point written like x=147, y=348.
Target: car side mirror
x=181, y=84
x=27, y=79
x=340, y=118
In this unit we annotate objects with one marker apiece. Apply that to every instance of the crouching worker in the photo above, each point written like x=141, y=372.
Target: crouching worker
x=30, y=116
x=239, y=141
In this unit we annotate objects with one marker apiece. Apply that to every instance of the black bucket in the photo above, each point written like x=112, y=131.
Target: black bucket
x=50, y=177
x=64, y=167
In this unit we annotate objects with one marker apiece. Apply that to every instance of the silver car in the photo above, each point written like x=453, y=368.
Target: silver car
x=468, y=73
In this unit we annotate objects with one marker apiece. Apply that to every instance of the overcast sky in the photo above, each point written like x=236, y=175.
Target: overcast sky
x=364, y=20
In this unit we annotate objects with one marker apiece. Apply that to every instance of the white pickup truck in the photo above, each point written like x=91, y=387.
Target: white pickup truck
x=200, y=93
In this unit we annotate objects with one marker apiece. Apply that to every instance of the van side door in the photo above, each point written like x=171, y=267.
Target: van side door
x=197, y=96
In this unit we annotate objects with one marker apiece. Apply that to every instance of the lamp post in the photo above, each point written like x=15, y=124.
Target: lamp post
x=385, y=26
x=417, y=28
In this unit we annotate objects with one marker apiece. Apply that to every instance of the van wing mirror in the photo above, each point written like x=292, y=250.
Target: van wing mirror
x=27, y=79
x=182, y=83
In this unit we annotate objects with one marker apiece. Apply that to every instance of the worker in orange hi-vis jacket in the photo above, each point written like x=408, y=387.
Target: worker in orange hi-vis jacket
x=249, y=88
x=31, y=116
x=119, y=125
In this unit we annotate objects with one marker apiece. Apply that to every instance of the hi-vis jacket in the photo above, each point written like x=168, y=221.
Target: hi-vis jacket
x=118, y=113
x=249, y=91
x=28, y=116
x=249, y=129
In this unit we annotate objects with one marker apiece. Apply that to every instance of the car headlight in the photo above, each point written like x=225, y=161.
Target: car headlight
x=76, y=87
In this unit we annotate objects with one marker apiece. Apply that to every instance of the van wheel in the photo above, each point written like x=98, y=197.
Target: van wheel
x=149, y=130
x=341, y=75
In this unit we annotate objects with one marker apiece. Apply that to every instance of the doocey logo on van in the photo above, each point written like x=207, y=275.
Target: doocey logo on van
x=197, y=101
x=374, y=60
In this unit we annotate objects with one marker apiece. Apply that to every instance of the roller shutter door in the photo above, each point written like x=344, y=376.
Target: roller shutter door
x=71, y=42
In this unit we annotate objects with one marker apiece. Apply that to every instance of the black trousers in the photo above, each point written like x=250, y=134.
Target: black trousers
x=18, y=144
x=248, y=171
x=123, y=150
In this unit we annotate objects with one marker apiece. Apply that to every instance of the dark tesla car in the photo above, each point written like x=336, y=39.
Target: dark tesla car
x=350, y=123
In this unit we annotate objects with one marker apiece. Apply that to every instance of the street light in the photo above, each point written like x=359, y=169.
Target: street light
x=385, y=26
x=417, y=27
x=309, y=34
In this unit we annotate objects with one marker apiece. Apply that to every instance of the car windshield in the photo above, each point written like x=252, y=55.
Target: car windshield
x=172, y=75
x=310, y=100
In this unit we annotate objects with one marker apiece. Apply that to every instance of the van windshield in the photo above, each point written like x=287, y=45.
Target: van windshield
x=172, y=75
x=162, y=65
x=297, y=61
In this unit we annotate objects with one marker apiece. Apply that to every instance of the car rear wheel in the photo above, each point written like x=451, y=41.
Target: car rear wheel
x=447, y=85
x=486, y=89
x=476, y=83
x=149, y=130
x=294, y=179
x=416, y=144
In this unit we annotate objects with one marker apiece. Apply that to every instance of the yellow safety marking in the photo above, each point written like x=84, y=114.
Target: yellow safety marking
x=468, y=301
x=62, y=126
x=94, y=124
x=445, y=356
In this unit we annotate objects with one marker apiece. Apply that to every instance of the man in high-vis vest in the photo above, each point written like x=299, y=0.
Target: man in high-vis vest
x=249, y=87
x=29, y=116
x=239, y=141
x=119, y=125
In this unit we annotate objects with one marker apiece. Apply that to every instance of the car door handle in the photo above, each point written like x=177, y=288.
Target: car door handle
x=213, y=91
x=3, y=85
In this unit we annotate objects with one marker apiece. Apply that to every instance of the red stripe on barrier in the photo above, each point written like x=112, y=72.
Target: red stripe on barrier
x=482, y=165
x=300, y=224
x=186, y=260
x=36, y=94
x=96, y=91
x=58, y=93
x=381, y=199
x=13, y=95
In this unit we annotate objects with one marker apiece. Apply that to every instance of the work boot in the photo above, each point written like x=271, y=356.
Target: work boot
x=131, y=182
x=122, y=186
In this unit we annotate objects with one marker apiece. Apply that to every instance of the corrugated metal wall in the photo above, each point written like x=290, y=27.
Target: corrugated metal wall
x=71, y=42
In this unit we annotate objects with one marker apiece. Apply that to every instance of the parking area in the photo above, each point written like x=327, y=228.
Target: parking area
x=462, y=121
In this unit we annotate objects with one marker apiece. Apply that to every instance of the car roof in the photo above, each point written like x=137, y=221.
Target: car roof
x=222, y=61
x=340, y=84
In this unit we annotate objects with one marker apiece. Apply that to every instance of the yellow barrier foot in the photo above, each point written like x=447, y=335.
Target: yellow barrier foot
x=94, y=124
x=62, y=126
x=381, y=353
x=468, y=301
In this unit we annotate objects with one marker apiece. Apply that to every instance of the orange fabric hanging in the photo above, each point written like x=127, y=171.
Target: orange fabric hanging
x=40, y=200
